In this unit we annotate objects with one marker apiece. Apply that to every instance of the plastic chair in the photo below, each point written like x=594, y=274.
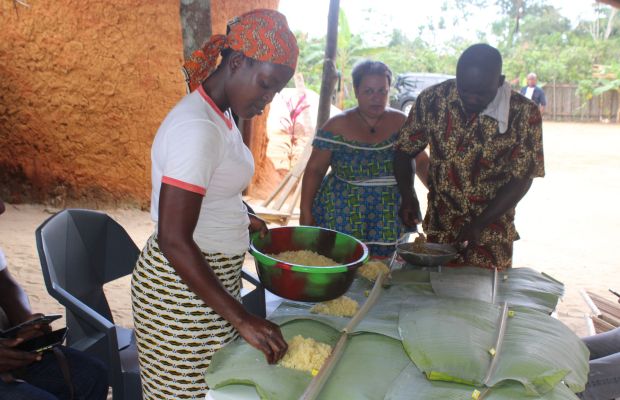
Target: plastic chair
x=80, y=251
x=253, y=300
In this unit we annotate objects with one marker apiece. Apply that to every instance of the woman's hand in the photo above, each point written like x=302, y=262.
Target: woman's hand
x=306, y=218
x=258, y=225
x=265, y=336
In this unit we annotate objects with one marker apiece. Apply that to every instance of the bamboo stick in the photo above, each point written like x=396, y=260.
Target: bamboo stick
x=275, y=192
x=503, y=319
x=296, y=197
x=288, y=188
x=368, y=304
x=494, y=286
x=589, y=325
x=317, y=383
x=589, y=302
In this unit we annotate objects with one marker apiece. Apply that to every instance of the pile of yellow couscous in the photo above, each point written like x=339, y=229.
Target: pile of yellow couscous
x=341, y=307
x=371, y=270
x=304, y=257
x=305, y=354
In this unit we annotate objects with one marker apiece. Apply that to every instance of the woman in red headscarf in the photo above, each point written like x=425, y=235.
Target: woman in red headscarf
x=186, y=284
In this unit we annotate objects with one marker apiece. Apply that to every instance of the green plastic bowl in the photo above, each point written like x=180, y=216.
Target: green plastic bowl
x=306, y=282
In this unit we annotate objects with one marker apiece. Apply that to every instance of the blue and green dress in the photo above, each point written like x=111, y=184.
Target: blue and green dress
x=359, y=195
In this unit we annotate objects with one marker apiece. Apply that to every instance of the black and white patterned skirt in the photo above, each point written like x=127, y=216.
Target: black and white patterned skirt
x=176, y=332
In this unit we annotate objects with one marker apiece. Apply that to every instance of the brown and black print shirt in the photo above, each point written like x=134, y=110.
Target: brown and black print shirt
x=470, y=160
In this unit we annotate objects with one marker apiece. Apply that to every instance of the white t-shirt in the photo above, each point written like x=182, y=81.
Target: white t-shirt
x=529, y=92
x=199, y=148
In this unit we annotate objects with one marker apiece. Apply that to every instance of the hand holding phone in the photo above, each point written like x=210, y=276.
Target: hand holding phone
x=41, y=320
x=42, y=343
x=12, y=358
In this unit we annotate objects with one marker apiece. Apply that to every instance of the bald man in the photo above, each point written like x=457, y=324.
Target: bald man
x=534, y=92
x=485, y=149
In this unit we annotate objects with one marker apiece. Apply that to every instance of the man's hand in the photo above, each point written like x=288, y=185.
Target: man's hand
x=33, y=331
x=409, y=211
x=469, y=235
x=11, y=358
x=258, y=225
x=265, y=336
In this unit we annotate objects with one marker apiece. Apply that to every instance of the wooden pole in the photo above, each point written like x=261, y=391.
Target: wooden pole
x=330, y=76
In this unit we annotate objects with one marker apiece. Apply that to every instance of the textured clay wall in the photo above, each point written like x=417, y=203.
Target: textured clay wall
x=84, y=85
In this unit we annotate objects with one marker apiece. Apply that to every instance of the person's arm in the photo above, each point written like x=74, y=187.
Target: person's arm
x=422, y=163
x=507, y=198
x=13, y=300
x=257, y=224
x=317, y=166
x=412, y=140
x=178, y=215
x=543, y=101
x=403, y=172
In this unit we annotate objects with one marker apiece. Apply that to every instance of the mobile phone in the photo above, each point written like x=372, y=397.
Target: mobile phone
x=45, y=342
x=44, y=320
x=614, y=292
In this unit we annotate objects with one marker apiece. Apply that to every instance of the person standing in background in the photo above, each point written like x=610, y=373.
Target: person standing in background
x=359, y=195
x=534, y=93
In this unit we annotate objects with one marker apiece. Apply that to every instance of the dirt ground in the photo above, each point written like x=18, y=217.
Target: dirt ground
x=568, y=223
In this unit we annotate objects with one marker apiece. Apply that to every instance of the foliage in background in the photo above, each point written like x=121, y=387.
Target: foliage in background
x=531, y=35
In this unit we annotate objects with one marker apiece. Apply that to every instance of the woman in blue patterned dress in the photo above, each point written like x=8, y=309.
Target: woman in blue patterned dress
x=359, y=195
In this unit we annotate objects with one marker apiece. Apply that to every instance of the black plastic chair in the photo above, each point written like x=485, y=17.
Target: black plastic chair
x=80, y=251
x=253, y=300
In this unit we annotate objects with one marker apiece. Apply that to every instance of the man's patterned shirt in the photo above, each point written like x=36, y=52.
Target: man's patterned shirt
x=470, y=160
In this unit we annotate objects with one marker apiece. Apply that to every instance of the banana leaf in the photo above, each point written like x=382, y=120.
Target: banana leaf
x=529, y=288
x=366, y=355
x=465, y=282
x=449, y=338
x=381, y=319
x=454, y=340
x=240, y=363
x=368, y=367
x=544, y=348
x=411, y=380
x=516, y=286
x=411, y=276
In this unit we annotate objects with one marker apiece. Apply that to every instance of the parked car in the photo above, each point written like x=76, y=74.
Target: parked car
x=409, y=85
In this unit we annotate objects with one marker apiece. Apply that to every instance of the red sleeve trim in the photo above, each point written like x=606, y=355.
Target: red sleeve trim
x=227, y=120
x=184, y=185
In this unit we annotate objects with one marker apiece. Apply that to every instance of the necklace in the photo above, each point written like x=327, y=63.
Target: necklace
x=372, y=127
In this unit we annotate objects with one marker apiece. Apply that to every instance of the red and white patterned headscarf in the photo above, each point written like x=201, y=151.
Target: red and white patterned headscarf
x=262, y=35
